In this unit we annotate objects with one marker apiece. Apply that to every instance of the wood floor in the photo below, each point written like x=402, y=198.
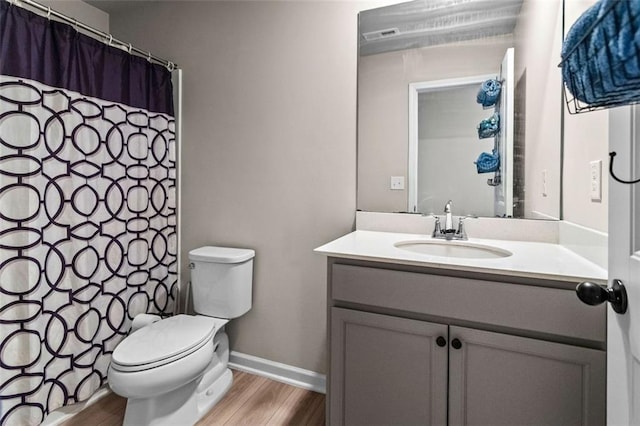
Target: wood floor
x=252, y=400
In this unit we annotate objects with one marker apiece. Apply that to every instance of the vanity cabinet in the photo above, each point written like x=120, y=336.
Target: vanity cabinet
x=409, y=345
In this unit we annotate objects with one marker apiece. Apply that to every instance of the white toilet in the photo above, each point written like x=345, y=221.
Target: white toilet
x=175, y=370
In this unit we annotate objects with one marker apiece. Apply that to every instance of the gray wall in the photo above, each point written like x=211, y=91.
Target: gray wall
x=586, y=139
x=538, y=36
x=269, y=148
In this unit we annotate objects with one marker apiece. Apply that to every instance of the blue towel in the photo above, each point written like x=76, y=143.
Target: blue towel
x=488, y=163
x=616, y=41
x=604, y=67
x=573, y=65
x=489, y=127
x=614, y=72
x=489, y=93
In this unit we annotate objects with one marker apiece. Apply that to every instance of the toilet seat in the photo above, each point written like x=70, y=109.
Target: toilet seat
x=164, y=342
x=150, y=382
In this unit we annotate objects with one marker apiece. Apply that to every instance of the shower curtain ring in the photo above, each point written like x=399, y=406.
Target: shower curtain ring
x=75, y=24
x=149, y=57
x=49, y=13
x=110, y=39
x=130, y=47
x=629, y=182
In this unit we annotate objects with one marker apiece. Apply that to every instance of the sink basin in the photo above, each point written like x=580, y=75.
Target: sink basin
x=459, y=249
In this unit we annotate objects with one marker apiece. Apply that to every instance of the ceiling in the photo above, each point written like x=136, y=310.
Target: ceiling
x=422, y=23
x=413, y=24
x=113, y=7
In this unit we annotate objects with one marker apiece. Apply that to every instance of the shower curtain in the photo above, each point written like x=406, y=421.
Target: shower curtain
x=87, y=208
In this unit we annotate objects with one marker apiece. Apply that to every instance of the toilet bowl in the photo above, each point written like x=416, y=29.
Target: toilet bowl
x=163, y=356
x=175, y=370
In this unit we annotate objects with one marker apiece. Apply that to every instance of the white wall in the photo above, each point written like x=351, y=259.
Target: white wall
x=269, y=149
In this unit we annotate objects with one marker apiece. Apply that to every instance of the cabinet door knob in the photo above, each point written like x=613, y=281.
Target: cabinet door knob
x=441, y=341
x=456, y=343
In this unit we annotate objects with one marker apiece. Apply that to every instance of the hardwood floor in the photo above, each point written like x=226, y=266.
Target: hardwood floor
x=252, y=400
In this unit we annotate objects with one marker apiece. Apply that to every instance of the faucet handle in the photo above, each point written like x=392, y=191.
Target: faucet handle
x=461, y=232
x=436, y=228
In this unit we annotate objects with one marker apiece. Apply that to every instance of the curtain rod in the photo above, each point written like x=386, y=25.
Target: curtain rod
x=108, y=38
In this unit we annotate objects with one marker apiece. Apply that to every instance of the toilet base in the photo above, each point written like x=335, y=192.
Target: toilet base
x=183, y=406
x=214, y=393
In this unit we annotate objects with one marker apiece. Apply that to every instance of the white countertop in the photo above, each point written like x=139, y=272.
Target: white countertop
x=529, y=259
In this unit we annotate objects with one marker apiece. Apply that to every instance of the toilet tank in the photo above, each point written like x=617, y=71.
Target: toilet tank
x=221, y=281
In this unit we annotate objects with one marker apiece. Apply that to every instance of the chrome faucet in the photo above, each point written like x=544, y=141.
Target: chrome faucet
x=449, y=232
x=448, y=221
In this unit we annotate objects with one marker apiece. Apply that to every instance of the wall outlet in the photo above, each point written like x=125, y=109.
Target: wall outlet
x=397, y=182
x=595, y=180
x=544, y=182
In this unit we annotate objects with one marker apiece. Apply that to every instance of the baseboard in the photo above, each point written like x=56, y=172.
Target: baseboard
x=63, y=414
x=284, y=373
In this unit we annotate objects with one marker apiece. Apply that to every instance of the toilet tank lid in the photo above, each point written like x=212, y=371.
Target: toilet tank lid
x=221, y=254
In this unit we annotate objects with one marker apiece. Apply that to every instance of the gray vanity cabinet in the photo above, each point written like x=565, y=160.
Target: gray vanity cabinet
x=409, y=345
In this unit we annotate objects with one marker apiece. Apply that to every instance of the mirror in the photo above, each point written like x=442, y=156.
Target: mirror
x=413, y=60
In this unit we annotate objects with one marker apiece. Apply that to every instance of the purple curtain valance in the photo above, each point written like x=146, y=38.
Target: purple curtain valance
x=73, y=61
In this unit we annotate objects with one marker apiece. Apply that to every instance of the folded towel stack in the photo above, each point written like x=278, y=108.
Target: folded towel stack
x=489, y=93
x=489, y=127
x=488, y=163
x=601, y=65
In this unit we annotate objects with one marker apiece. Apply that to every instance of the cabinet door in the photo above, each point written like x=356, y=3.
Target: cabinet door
x=386, y=370
x=497, y=379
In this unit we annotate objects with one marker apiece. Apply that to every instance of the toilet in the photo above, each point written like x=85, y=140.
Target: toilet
x=174, y=370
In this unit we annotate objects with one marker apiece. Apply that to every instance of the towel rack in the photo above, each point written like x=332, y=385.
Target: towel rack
x=601, y=69
x=497, y=178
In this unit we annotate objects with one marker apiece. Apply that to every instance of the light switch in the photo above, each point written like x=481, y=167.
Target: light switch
x=595, y=180
x=397, y=182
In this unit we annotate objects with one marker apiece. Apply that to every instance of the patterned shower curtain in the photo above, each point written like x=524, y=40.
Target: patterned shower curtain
x=87, y=209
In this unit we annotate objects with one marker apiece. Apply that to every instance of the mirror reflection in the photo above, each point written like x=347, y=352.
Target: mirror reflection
x=457, y=146
x=420, y=69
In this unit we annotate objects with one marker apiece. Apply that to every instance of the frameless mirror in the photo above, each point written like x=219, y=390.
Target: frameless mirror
x=421, y=65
